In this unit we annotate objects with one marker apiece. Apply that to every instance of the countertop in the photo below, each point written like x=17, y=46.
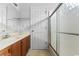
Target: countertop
x=11, y=40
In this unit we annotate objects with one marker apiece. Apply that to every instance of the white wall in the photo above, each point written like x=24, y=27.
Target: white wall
x=24, y=14
x=13, y=13
x=24, y=9
x=2, y=16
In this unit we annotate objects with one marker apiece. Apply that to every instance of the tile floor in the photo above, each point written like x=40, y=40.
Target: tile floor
x=38, y=53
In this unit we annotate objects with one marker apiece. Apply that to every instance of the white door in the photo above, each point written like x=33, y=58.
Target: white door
x=39, y=30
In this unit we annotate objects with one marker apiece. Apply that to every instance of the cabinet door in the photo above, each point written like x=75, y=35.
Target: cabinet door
x=28, y=42
x=5, y=52
x=25, y=45
x=16, y=49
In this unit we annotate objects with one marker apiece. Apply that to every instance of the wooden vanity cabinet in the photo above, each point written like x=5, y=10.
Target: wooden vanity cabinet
x=16, y=49
x=19, y=48
x=6, y=52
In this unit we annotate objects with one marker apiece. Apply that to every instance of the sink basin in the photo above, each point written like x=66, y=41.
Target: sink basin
x=4, y=37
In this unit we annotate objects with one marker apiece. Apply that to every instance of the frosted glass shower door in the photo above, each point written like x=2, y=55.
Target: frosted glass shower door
x=68, y=29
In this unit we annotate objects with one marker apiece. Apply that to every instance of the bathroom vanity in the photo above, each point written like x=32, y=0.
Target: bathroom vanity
x=15, y=46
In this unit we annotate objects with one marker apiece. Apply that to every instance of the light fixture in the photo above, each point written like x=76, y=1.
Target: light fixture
x=15, y=4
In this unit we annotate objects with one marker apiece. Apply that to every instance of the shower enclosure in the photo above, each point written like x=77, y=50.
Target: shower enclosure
x=65, y=30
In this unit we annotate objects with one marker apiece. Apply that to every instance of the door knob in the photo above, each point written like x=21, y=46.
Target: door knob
x=32, y=30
